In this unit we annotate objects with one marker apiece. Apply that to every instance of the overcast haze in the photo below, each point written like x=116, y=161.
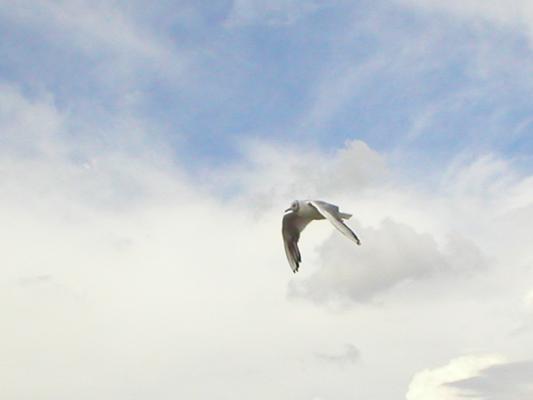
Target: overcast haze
x=147, y=152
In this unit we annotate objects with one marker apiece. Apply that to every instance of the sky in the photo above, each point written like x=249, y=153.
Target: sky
x=147, y=152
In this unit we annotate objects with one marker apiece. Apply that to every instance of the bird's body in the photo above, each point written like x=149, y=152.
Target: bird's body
x=299, y=215
x=307, y=211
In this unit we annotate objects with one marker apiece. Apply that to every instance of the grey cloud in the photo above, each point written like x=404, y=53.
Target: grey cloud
x=390, y=254
x=511, y=381
x=349, y=355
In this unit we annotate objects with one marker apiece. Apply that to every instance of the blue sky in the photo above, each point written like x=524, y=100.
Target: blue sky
x=205, y=76
x=148, y=150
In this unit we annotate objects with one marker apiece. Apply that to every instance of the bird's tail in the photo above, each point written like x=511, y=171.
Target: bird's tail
x=345, y=216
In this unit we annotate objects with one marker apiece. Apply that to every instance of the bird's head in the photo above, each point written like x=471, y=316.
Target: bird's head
x=295, y=206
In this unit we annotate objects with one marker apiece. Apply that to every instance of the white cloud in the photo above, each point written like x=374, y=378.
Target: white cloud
x=30, y=128
x=122, y=278
x=144, y=290
x=515, y=15
x=432, y=383
x=498, y=382
x=274, y=173
x=528, y=300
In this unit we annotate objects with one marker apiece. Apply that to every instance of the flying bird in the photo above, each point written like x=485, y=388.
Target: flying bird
x=299, y=214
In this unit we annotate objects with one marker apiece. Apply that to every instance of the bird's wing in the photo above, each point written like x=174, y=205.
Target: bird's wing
x=335, y=220
x=293, y=253
x=291, y=227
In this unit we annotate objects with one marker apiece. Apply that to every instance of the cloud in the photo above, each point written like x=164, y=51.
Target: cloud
x=435, y=383
x=271, y=173
x=117, y=55
x=31, y=127
x=161, y=282
x=39, y=144
x=339, y=86
x=498, y=382
x=91, y=29
x=528, y=300
x=349, y=355
x=390, y=254
x=144, y=272
x=155, y=284
x=35, y=280
x=515, y=15
x=441, y=74
x=128, y=273
x=410, y=236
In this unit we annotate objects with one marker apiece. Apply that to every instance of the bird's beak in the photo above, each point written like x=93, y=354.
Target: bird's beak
x=288, y=209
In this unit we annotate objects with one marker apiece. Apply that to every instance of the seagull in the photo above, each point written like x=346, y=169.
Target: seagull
x=299, y=214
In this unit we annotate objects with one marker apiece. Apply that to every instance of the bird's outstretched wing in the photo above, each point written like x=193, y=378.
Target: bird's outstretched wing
x=292, y=225
x=332, y=216
x=293, y=253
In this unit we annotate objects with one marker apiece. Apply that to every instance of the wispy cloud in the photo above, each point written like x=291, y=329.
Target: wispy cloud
x=349, y=355
x=515, y=15
x=96, y=29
